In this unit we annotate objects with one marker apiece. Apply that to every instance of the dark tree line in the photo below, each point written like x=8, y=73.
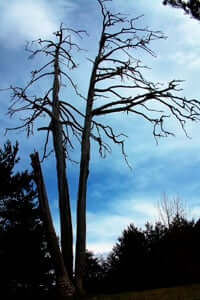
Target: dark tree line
x=157, y=256
x=26, y=269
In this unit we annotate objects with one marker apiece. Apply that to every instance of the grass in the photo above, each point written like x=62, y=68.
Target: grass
x=191, y=292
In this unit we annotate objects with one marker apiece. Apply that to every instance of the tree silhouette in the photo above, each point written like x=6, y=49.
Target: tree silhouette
x=94, y=273
x=26, y=268
x=117, y=84
x=190, y=7
x=157, y=256
x=127, y=261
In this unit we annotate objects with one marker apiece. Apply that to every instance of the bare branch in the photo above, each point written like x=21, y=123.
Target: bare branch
x=169, y=209
x=22, y=101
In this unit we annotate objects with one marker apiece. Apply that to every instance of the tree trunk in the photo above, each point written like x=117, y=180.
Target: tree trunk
x=65, y=287
x=82, y=189
x=63, y=189
x=81, y=214
x=64, y=202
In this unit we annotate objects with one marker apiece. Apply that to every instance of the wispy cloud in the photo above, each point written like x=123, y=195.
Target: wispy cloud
x=195, y=212
x=105, y=228
x=188, y=59
x=188, y=29
x=26, y=20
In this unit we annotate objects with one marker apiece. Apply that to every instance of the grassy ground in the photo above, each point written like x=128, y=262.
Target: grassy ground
x=191, y=292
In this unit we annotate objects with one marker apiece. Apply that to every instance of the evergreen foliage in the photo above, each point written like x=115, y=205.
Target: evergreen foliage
x=26, y=268
x=157, y=256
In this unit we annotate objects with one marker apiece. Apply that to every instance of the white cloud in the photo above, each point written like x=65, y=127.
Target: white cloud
x=188, y=31
x=146, y=209
x=26, y=20
x=104, y=229
x=106, y=226
x=188, y=59
x=140, y=209
x=100, y=248
x=183, y=41
x=195, y=212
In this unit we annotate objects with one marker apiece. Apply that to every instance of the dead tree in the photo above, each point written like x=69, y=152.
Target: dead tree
x=62, y=119
x=117, y=84
x=117, y=72
x=65, y=287
x=169, y=209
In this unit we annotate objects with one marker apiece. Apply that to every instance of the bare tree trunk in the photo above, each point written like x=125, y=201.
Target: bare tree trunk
x=82, y=189
x=64, y=286
x=63, y=190
x=81, y=213
x=169, y=209
x=64, y=201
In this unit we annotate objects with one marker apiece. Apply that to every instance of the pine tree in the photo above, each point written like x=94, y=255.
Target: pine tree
x=127, y=261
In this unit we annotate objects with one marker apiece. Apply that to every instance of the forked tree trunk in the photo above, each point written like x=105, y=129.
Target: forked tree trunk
x=65, y=287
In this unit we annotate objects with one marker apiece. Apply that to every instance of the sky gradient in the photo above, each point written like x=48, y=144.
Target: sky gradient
x=117, y=196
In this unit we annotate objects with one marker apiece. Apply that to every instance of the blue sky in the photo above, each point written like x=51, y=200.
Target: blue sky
x=117, y=196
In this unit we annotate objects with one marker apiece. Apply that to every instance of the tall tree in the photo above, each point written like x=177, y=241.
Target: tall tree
x=190, y=7
x=26, y=267
x=128, y=261
x=117, y=84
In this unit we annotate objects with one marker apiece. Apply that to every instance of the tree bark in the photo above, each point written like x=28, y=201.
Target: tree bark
x=82, y=189
x=65, y=287
x=64, y=201
x=63, y=189
x=81, y=213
